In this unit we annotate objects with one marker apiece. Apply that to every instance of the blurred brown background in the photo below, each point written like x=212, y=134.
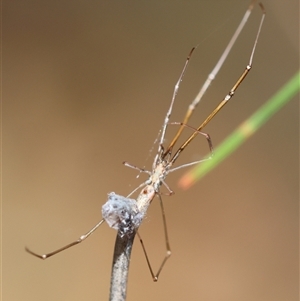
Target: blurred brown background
x=86, y=85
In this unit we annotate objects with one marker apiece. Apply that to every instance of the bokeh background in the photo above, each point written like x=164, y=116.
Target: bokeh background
x=86, y=85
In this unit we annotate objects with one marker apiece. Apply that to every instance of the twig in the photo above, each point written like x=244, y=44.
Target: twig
x=124, y=242
x=120, y=268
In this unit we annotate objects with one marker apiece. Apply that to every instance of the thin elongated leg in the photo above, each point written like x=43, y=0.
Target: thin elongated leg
x=140, y=170
x=198, y=161
x=215, y=71
x=168, y=115
x=227, y=97
x=171, y=192
x=168, y=252
x=74, y=243
x=190, y=164
x=137, y=168
x=133, y=191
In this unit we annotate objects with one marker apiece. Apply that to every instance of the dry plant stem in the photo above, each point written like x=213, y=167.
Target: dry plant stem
x=122, y=252
x=120, y=268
